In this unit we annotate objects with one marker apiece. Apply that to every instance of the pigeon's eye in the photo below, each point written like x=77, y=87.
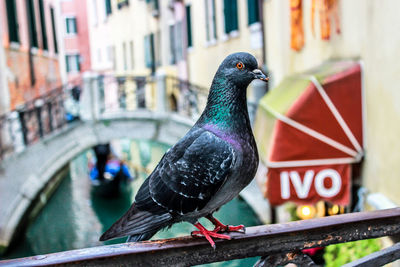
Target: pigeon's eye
x=240, y=65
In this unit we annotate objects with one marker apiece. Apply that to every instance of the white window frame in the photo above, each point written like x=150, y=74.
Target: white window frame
x=212, y=25
x=132, y=54
x=68, y=34
x=76, y=55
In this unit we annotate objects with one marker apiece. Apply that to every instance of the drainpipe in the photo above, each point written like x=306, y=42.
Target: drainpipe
x=263, y=40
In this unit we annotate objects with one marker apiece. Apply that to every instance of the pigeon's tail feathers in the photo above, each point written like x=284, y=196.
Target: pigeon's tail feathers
x=137, y=223
x=141, y=237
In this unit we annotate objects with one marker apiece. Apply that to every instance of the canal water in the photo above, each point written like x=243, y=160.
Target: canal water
x=75, y=216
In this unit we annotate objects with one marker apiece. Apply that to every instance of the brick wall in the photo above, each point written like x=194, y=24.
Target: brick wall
x=47, y=75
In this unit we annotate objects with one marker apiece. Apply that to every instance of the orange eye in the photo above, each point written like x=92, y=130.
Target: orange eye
x=240, y=65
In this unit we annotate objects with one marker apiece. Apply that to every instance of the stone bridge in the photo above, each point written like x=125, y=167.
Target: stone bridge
x=24, y=175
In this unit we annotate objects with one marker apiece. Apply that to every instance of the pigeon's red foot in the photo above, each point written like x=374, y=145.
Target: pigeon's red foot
x=208, y=234
x=220, y=227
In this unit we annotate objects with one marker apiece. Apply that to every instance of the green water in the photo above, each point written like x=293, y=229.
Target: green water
x=75, y=217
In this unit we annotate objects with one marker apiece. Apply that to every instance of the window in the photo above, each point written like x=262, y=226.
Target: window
x=124, y=57
x=109, y=53
x=132, y=55
x=99, y=57
x=43, y=25
x=94, y=13
x=157, y=48
x=149, y=52
x=53, y=29
x=211, y=23
x=122, y=3
x=70, y=24
x=253, y=11
x=12, y=21
x=72, y=63
x=172, y=45
x=108, y=7
x=32, y=24
x=155, y=7
x=114, y=57
x=179, y=40
x=189, y=26
x=231, y=16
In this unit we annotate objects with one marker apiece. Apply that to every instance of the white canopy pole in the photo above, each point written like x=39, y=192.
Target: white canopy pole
x=336, y=114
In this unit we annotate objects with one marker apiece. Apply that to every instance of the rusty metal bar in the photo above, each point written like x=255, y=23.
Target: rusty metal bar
x=297, y=258
x=378, y=258
x=258, y=241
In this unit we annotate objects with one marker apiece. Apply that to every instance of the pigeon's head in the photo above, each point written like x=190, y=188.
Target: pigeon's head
x=240, y=69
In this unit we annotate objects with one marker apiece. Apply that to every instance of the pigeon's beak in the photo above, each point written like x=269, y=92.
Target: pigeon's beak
x=259, y=75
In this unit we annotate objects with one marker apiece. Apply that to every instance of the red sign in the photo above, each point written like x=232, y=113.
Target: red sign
x=309, y=184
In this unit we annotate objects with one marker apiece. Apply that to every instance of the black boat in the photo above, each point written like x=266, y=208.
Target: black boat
x=109, y=175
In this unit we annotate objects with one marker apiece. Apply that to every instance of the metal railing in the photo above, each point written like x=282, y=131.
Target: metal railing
x=277, y=244
x=42, y=116
x=33, y=120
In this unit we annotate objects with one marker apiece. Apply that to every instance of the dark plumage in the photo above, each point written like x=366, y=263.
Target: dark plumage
x=207, y=168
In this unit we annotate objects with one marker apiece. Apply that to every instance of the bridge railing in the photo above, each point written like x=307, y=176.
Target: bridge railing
x=92, y=97
x=157, y=93
x=34, y=119
x=277, y=244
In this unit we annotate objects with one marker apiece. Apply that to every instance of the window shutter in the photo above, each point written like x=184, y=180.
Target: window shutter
x=149, y=51
x=32, y=24
x=234, y=14
x=231, y=15
x=147, y=56
x=78, y=63
x=207, y=20
x=214, y=18
x=172, y=44
x=253, y=16
x=227, y=16
x=53, y=29
x=12, y=21
x=189, y=26
x=67, y=63
x=108, y=7
x=75, y=25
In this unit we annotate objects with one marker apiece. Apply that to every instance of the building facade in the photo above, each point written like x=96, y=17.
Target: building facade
x=362, y=30
x=172, y=38
x=75, y=34
x=216, y=29
x=30, y=65
x=133, y=37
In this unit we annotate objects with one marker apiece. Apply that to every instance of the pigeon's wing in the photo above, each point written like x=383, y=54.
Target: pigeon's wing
x=191, y=172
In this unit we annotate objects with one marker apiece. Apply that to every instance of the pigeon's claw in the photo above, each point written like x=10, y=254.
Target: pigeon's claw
x=220, y=227
x=208, y=234
x=238, y=228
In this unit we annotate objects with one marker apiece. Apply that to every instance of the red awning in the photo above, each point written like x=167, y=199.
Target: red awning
x=317, y=134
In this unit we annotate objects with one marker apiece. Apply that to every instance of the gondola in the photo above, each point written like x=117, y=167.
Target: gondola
x=114, y=180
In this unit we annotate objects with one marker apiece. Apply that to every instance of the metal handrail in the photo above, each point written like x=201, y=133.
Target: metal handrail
x=285, y=239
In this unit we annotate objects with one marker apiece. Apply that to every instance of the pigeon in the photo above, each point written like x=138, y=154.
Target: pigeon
x=205, y=169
